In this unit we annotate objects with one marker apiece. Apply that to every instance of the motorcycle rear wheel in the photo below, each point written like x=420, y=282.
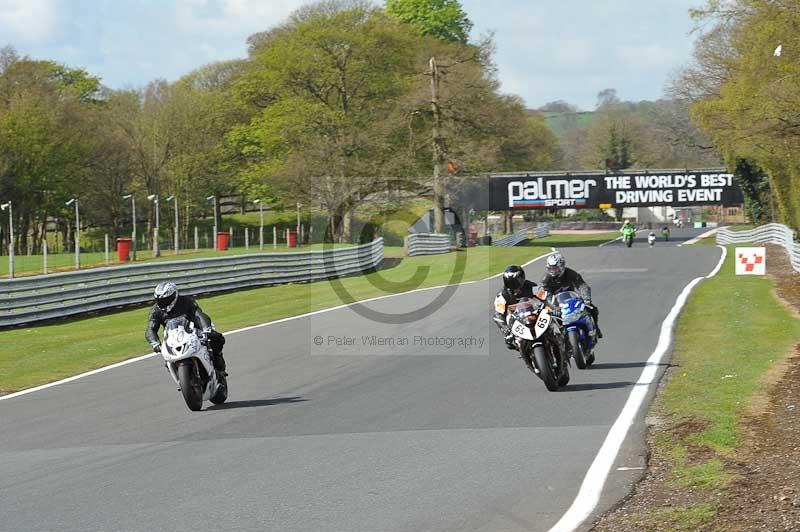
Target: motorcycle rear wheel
x=222, y=392
x=191, y=387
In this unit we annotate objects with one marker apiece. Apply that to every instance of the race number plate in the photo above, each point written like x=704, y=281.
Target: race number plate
x=520, y=330
x=542, y=323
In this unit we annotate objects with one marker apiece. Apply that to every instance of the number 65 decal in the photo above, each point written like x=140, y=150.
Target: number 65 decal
x=542, y=323
x=520, y=330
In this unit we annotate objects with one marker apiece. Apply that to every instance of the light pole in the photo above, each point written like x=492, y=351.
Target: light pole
x=214, y=237
x=156, y=249
x=5, y=206
x=77, y=232
x=133, y=223
x=173, y=198
x=261, y=224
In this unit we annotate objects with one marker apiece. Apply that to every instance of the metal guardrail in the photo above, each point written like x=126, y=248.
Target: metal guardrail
x=765, y=234
x=426, y=244
x=521, y=236
x=34, y=299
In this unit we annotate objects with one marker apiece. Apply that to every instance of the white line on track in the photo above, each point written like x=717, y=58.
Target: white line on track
x=282, y=320
x=591, y=488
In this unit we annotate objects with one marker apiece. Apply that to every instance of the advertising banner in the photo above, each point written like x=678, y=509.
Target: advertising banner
x=587, y=190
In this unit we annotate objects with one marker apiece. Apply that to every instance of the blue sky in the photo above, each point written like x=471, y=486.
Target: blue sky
x=546, y=50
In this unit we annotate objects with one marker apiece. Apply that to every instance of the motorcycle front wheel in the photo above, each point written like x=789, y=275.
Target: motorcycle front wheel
x=545, y=368
x=577, y=349
x=629, y=242
x=191, y=387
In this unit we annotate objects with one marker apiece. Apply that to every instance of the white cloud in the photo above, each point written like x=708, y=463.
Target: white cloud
x=232, y=16
x=28, y=20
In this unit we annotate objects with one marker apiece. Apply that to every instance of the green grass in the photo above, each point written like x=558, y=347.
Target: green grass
x=573, y=240
x=689, y=518
x=731, y=332
x=33, y=265
x=393, y=226
x=36, y=355
x=742, y=227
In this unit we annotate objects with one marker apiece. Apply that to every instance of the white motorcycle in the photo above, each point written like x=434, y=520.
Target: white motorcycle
x=190, y=365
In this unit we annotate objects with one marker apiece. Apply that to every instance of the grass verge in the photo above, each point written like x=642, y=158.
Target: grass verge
x=731, y=333
x=731, y=339
x=36, y=355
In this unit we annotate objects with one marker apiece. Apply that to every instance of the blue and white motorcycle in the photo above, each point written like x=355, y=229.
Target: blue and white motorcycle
x=579, y=327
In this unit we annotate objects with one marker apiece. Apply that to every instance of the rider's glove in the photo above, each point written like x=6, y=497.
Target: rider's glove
x=206, y=338
x=156, y=347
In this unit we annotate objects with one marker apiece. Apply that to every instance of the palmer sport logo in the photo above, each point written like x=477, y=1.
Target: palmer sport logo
x=551, y=193
x=547, y=203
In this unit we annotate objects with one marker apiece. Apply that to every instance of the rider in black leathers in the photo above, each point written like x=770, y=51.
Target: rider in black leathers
x=515, y=286
x=559, y=278
x=168, y=305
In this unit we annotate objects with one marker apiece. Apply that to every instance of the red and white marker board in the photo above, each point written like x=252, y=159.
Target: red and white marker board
x=751, y=261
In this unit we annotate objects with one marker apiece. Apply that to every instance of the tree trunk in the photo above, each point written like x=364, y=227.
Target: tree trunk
x=334, y=227
x=438, y=152
x=509, y=223
x=347, y=227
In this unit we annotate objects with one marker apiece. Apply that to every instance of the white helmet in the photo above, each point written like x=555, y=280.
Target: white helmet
x=556, y=265
x=166, y=295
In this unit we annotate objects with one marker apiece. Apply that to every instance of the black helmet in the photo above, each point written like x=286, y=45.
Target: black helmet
x=514, y=278
x=166, y=295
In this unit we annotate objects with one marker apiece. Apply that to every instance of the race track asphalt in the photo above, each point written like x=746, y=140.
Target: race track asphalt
x=426, y=436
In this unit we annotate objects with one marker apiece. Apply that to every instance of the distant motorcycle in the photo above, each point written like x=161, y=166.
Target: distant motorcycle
x=540, y=340
x=665, y=232
x=628, y=233
x=579, y=326
x=190, y=365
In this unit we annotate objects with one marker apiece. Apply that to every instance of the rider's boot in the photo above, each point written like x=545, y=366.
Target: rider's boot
x=219, y=363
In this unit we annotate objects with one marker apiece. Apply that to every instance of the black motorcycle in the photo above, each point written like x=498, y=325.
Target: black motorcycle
x=537, y=331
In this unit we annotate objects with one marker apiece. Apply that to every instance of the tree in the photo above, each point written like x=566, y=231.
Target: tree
x=607, y=98
x=559, y=106
x=443, y=19
x=44, y=139
x=755, y=188
x=321, y=87
x=612, y=135
x=745, y=98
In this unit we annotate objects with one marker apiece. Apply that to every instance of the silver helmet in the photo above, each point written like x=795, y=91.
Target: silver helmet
x=166, y=295
x=556, y=265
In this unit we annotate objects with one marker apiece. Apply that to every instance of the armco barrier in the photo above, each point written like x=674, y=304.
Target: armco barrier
x=765, y=234
x=521, y=236
x=32, y=299
x=426, y=244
